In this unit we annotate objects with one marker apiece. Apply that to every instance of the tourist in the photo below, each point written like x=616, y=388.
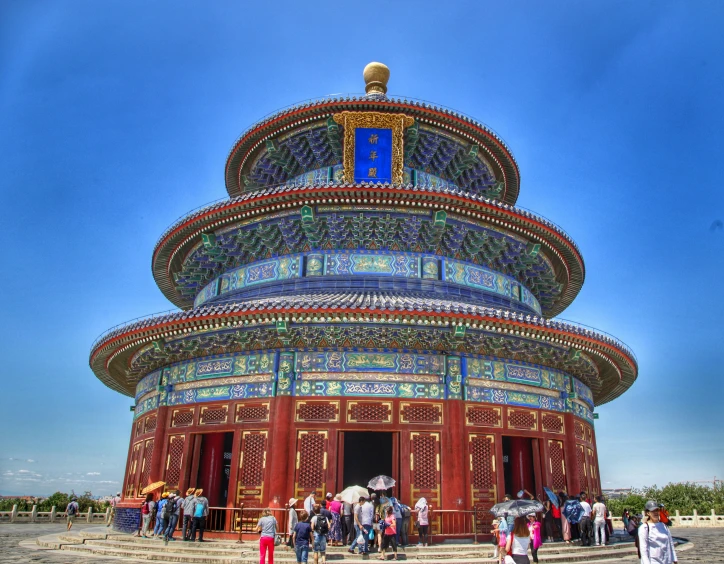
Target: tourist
x=188, y=508
x=535, y=539
x=175, y=509
x=557, y=517
x=320, y=527
x=655, y=543
x=160, y=525
x=389, y=533
x=309, y=503
x=584, y=525
x=267, y=526
x=347, y=523
x=363, y=516
x=200, y=512
x=565, y=524
x=423, y=522
x=664, y=515
x=147, y=510
x=404, y=529
x=517, y=544
x=598, y=514
x=327, y=500
x=292, y=520
x=71, y=512
x=302, y=536
x=624, y=519
x=380, y=513
x=115, y=500
x=335, y=530
x=398, y=516
x=548, y=520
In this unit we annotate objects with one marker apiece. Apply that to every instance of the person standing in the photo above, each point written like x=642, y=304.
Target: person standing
x=115, y=500
x=309, y=503
x=584, y=525
x=535, y=538
x=267, y=526
x=200, y=511
x=364, y=515
x=160, y=525
x=335, y=531
x=598, y=515
x=320, y=528
x=423, y=521
x=405, y=526
x=292, y=520
x=517, y=544
x=389, y=535
x=347, y=523
x=71, y=512
x=147, y=514
x=302, y=537
x=655, y=542
x=188, y=508
x=565, y=524
x=175, y=512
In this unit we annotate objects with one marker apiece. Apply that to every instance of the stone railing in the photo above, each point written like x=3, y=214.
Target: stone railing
x=51, y=516
x=678, y=520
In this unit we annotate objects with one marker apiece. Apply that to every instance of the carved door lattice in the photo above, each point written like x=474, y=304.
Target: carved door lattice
x=581, y=464
x=592, y=473
x=213, y=415
x=150, y=425
x=483, y=479
x=520, y=419
x=557, y=465
x=552, y=423
x=174, y=459
x=579, y=431
x=311, y=464
x=131, y=486
x=252, y=412
x=425, y=470
x=420, y=413
x=484, y=416
x=369, y=412
x=318, y=411
x=146, y=466
x=250, y=488
x=182, y=417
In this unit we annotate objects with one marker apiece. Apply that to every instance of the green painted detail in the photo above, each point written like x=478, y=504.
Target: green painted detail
x=334, y=136
x=281, y=157
x=463, y=161
x=440, y=218
x=282, y=327
x=574, y=354
x=496, y=190
x=412, y=135
x=532, y=249
x=159, y=345
x=595, y=415
x=209, y=240
x=459, y=331
x=307, y=214
x=133, y=408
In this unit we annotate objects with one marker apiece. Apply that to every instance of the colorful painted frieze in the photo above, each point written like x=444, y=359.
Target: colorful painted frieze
x=342, y=361
x=381, y=264
x=208, y=292
x=583, y=392
x=500, y=396
x=148, y=383
x=218, y=367
x=529, y=299
x=146, y=405
x=368, y=389
x=516, y=372
x=214, y=393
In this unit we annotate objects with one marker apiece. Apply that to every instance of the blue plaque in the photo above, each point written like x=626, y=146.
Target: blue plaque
x=372, y=155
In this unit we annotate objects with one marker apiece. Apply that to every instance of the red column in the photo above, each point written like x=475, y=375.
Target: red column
x=277, y=473
x=522, y=464
x=212, y=460
x=158, y=469
x=574, y=486
x=454, y=456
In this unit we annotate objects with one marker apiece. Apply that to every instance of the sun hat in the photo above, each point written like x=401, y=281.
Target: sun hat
x=164, y=494
x=329, y=495
x=292, y=501
x=651, y=505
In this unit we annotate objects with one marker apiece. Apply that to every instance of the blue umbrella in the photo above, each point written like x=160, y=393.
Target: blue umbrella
x=552, y=496
x=573, y=511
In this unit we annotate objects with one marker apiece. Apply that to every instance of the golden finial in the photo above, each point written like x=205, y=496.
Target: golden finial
x=376, y=76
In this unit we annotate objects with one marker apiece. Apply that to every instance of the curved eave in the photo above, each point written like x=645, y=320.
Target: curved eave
x=246, y=148
x=174, y=245
x=616, y=363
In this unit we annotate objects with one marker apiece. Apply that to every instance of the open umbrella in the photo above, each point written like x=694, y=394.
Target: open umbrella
x=552, y=496
x=353, y=493
x=573, y=511
x=379, y=483
x=517, y=508
x=152, y=487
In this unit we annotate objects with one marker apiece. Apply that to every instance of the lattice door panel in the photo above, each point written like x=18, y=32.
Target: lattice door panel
x=146, y=466
x=174, y=461
x=483, y=478
x=581, y=467
x=592, y=473
x=132, y=476
x=557, y=465
x=250, y=485
x=311, y=464
x=425, y=470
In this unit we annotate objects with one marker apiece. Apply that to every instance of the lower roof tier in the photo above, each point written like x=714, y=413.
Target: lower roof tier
x=370, y=321
x=290, y=220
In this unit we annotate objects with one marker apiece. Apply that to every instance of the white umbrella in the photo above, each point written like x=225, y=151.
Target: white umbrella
x=379, y=483
x=353, y=493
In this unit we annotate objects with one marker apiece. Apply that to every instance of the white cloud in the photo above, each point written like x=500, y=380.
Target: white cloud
x=93, y=474
x=23, y=471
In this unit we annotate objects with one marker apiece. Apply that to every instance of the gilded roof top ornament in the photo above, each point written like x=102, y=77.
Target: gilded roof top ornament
x=376, y=76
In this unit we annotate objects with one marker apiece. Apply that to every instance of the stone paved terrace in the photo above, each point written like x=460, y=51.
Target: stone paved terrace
x=18, y=545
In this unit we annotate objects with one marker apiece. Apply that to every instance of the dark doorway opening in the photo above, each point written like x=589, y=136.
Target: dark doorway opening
x=214, y=466
x=518, y=467
x=367, y=454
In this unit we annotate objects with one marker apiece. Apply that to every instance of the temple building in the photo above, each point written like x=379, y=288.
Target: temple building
x=368, y=300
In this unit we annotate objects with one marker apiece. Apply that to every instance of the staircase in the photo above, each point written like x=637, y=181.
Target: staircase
x=98, y=542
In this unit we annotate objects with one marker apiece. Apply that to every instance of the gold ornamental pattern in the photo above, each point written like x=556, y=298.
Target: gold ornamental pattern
x=396, y=122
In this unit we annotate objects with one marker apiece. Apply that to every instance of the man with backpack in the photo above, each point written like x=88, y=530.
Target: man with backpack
x=201, y=510
x=320, y=526
x=188, y=507
x=405, y=526
x=71, y=512
x=160, y=526
x=175, y=513
x=165, y=514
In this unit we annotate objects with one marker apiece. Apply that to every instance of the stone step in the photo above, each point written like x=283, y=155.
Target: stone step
x=169, y=553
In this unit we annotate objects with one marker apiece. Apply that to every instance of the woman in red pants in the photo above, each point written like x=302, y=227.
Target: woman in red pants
x=267, y=526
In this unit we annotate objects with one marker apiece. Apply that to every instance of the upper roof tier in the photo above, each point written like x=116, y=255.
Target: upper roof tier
x=441, y=146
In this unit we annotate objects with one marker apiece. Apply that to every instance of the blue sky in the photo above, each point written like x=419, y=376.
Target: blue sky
x=116, y=119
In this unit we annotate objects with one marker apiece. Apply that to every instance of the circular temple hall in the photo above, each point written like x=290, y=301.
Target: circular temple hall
x=368, y=300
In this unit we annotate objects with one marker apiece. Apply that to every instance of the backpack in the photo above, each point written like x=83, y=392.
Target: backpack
x=199, y=510
x=406, y=512
x=321, y=526
x=166, y=510
x=71, y=508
